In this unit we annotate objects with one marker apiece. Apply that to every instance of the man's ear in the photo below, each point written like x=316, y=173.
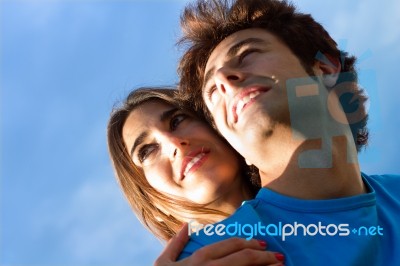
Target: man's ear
x=329, y=67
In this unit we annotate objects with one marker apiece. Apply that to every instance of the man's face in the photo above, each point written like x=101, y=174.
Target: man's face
x=244, y=88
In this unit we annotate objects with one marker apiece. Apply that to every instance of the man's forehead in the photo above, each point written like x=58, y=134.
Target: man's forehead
x=221, y=49
x=224, y=48
x=230, y=46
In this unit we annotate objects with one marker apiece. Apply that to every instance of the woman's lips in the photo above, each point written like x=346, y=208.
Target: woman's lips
x=193, y=161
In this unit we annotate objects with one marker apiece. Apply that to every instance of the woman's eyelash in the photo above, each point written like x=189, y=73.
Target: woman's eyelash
x=145, y=151
x=177, y=119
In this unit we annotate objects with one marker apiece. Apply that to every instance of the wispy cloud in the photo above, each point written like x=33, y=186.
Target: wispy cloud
x=66, y=60
x=96, y=227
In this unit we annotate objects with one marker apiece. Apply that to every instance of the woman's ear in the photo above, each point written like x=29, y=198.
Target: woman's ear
x=329, y=67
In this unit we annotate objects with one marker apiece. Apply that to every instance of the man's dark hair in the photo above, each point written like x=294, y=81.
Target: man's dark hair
x=206, y=23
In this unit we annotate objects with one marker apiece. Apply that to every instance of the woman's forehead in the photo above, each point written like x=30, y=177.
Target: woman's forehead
x=152, y=107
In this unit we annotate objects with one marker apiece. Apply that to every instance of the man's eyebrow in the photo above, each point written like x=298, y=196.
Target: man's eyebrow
x=163, y=117
x=235, y=48
x=232, y=52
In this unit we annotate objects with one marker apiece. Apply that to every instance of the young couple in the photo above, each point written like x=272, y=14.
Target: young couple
x=274, y=84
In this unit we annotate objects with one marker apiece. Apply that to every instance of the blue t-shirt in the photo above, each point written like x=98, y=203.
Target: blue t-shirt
x=359, y=230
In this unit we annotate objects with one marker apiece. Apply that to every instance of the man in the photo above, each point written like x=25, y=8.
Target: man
x=276, y=86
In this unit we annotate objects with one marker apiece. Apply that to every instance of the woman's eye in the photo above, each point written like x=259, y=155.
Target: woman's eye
x=176, y=120
x=146, y=151
x=245, y=53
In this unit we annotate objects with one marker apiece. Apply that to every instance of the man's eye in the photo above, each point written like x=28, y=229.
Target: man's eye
x=245, y=53
x=176, y=120
x=146, y=151
x=210, y=92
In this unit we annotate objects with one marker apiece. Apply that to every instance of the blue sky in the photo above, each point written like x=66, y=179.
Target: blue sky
x=64, y=64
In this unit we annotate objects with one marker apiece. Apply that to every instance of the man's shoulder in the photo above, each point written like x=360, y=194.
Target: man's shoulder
x=386, y=186
x=383, y=180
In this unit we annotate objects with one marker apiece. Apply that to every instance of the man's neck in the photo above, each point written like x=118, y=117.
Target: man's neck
x=315, y=175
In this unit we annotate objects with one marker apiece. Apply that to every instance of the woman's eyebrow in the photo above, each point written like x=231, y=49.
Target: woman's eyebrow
x=167, y=114
x=163, y=117
x=139, y=140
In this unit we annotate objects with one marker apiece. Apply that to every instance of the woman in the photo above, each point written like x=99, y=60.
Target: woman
x=171, y=165
x=174, y=168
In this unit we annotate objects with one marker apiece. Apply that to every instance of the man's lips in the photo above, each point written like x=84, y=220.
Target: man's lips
x=244, y=99
x=193, y=160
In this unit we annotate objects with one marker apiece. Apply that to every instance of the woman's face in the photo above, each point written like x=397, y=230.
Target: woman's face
x=181, y=155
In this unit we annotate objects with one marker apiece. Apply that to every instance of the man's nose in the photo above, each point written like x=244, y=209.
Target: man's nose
x=228, y=80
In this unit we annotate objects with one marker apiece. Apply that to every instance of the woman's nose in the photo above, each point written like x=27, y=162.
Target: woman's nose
x=180, y=148
x=175, y=146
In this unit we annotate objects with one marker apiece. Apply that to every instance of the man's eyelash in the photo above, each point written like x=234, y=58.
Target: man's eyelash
x=246, y=53
x=210, y=91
